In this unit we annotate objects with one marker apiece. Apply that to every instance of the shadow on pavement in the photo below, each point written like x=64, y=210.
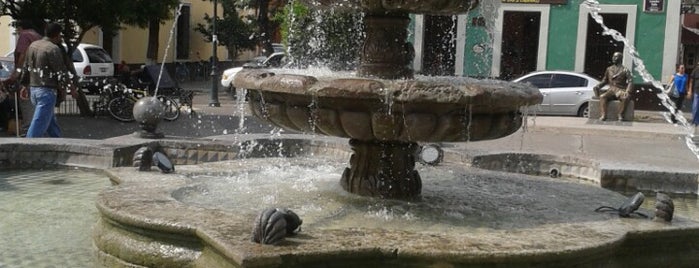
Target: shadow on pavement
x=194, y=126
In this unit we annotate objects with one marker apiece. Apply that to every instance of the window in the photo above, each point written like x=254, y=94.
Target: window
x=97, y=55
x=77, y=56
x=564, y=80
x=539, y=80
x=183, y=33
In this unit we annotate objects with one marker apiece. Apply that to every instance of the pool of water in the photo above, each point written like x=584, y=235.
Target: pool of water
x=47, y=217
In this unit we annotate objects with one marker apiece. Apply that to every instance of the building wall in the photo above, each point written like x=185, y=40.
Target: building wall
x=563, y=28
x=131, y=43
x=7, y=34
x=655, y=36
x=478, y=48
x=649, y=37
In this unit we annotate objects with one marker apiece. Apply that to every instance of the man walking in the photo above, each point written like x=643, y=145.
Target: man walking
x=47, y=76
x=25, y=36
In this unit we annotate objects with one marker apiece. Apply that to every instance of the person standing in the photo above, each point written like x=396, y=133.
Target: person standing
x=679, y=80
x=25, y=36
x=47, y=76
x=693, y=92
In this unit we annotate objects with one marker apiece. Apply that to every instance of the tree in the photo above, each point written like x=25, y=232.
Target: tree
x=149, y=13
x=80, y=16
x=233, y=33
x=325, y=38
x=266, y=9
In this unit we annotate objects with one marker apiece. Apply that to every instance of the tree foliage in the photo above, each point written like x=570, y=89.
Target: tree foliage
x=264, y=24
x=80, y=16
x=233, y=32
x=324, y=38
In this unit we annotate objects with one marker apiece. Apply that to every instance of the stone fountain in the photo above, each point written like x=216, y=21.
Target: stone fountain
x=202, y=216
x=385, y=111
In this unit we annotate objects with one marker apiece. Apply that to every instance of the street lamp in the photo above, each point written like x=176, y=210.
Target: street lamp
x=213, y=102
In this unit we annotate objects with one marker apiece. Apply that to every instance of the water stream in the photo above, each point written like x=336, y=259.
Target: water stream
x=167, y=47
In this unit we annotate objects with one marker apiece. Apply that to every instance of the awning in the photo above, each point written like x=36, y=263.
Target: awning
x=690, y=30
x=690, y=36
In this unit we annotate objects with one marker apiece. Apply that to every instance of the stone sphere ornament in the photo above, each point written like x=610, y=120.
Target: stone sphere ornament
x=274, y=224
x=143, y=158
x=664, y=207
x=148, y=112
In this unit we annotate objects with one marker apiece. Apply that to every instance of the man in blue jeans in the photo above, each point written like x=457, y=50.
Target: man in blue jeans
x=48, y=77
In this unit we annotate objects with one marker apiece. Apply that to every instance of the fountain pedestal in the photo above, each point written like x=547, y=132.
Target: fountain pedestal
x=386, y=119
x=382, y=169
x=386, y=111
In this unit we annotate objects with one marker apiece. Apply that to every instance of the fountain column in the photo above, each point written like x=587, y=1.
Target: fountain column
x=378, y=168
x=385, y=53
x=382, y=169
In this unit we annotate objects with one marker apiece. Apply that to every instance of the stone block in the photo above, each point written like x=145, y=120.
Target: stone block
x=612, y=109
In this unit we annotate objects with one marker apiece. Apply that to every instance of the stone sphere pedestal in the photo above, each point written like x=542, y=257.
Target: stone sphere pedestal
x=148, y=112
x=612, y=110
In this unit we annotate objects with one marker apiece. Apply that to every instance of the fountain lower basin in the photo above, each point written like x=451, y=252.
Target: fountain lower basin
x=492, y=219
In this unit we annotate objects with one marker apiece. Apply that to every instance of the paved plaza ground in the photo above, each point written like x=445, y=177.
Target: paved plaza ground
x=648, y=141
x=647, y=153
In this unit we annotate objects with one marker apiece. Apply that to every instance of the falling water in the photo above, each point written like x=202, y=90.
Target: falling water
x=313, y=112
x=641, y=69
x=240, y=103
x=169, y=42
x=388, y=100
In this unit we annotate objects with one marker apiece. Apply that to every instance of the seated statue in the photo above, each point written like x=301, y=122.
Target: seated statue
x=619, y=79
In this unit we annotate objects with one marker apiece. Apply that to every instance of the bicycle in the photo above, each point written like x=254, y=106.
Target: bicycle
x=182, y=72
x=201, y=70
x=121, y=104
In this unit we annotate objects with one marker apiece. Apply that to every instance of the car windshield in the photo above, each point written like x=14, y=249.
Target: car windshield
x=98, y=55
x=275, y=60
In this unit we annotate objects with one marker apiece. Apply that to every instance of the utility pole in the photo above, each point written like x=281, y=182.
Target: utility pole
x=213, y=102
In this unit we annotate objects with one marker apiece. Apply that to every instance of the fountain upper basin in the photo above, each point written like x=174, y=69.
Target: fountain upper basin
x=417, y=110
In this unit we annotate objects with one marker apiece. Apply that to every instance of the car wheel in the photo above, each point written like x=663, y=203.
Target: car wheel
x=584, y=111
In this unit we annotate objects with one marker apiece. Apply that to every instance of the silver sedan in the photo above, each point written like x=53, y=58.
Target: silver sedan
x=565, y=92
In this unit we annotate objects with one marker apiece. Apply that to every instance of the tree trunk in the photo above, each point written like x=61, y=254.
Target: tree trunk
x=263, y=22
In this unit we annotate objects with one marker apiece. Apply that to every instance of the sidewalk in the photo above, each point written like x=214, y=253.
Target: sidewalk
x=625, y=145
x=648, y=141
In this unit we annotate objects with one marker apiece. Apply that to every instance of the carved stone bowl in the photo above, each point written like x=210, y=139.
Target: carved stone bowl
x=417, y=110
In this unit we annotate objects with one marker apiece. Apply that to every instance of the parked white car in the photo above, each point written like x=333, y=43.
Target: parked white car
x=93, y=65
x=277, y=59
x=565, y=92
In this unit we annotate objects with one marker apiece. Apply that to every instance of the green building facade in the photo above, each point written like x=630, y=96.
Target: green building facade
x=506, y=39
